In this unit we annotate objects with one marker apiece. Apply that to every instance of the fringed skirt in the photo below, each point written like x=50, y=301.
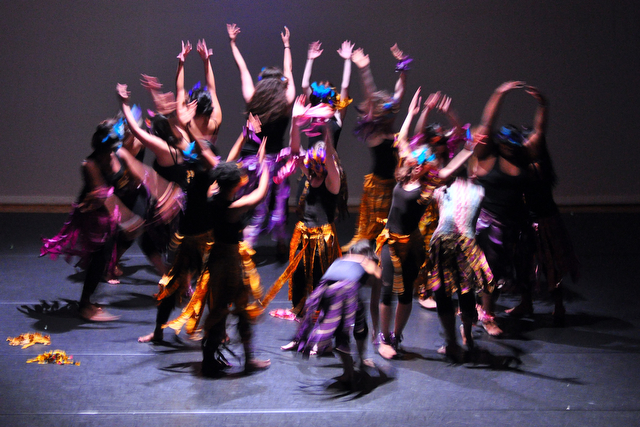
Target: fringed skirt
x=191, y=254
x=458, y=263
x=92, y=222
x=330, y=311
x=555, y=256
x=228, y=283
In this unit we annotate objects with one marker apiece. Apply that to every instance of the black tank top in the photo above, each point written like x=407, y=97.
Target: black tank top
x=224, y=231
x=503, y=194
x=320, y=206
x=405, y=211
x=274, y=131
x=134, y=197
x=177, y=173
x=384, y=159
x=197, y=212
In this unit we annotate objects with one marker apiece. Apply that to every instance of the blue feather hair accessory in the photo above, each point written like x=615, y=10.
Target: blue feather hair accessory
x=117, y=131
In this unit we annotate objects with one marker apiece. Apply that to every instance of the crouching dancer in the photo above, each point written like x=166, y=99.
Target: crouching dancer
x=334, y=309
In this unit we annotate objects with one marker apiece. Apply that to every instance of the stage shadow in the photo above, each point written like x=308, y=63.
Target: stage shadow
x=365, y=380
x=59, y=317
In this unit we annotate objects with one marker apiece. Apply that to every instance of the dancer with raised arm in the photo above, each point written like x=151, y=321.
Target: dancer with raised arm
x=500, y=167
x=323, y=93
x=224, y=279
x=314, y=245
x=208, y=114
x=90, y=232
x=375, y=128
x=554, y=254
x=400, y=245
x=271, y=100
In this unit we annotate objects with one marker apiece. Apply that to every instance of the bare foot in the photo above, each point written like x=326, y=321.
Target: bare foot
x=491, y=327
x=95, y=313
x=367, y=363
x=150, y=338
x=112, y=280
x=253, y=365
x=292, y=346
x=386, y=350
x=428, y=303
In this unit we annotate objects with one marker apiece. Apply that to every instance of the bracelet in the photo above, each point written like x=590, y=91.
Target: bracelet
x=287, y=47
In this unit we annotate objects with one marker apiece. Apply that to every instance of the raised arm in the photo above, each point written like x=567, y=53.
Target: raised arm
x=157, y=145
x=180, y=93
x=165, y=103
x=362, y=61
x=251, y=200
x=490, y=114
x=403, y=135
x=402, y=67
x=245, y=76
x=533, y=143
x=287, y=67
x=345, y=52
x=252, y=127
x=216, y=115
x=332, y=181
x=313, y=52
x=429, y=105
x=294, y=134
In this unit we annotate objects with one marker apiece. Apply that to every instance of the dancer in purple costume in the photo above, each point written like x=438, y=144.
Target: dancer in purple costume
x=90, y=231
x=500, y=167
x=271, y=100
x=334, y=309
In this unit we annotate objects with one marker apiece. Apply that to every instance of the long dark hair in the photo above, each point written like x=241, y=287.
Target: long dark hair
x=269, y=100
x=161, y=128
x=363, y=247
x=203, y=98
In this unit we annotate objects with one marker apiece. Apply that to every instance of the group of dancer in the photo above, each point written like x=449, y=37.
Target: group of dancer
x=445, y=211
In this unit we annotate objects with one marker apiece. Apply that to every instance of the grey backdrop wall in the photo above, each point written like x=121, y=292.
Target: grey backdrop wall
x=62, y=60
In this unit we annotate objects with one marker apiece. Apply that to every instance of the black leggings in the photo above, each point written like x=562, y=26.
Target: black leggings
x=466, y=301
x=410, y=269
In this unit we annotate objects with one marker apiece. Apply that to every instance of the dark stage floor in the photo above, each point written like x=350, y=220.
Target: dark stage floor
x=587, y=373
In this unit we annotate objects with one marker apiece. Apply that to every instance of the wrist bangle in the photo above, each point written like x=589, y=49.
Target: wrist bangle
x=287, y=47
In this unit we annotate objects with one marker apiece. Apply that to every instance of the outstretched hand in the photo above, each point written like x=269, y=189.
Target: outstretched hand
x=360, y=59
x=314, y=50
x=511, y=85
x=444, y=104
x=533, y=91
x=432, y=100
x=123, y=93
x=233, y=31
x=262, y=153
x=151, y=83
x=299, y=107
x=414, y=106
x=203, y=51
x=346, y=49
x=190, y=111
x=186, y=48
x=254, y=123
x=397, y=53
x=285, y=36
